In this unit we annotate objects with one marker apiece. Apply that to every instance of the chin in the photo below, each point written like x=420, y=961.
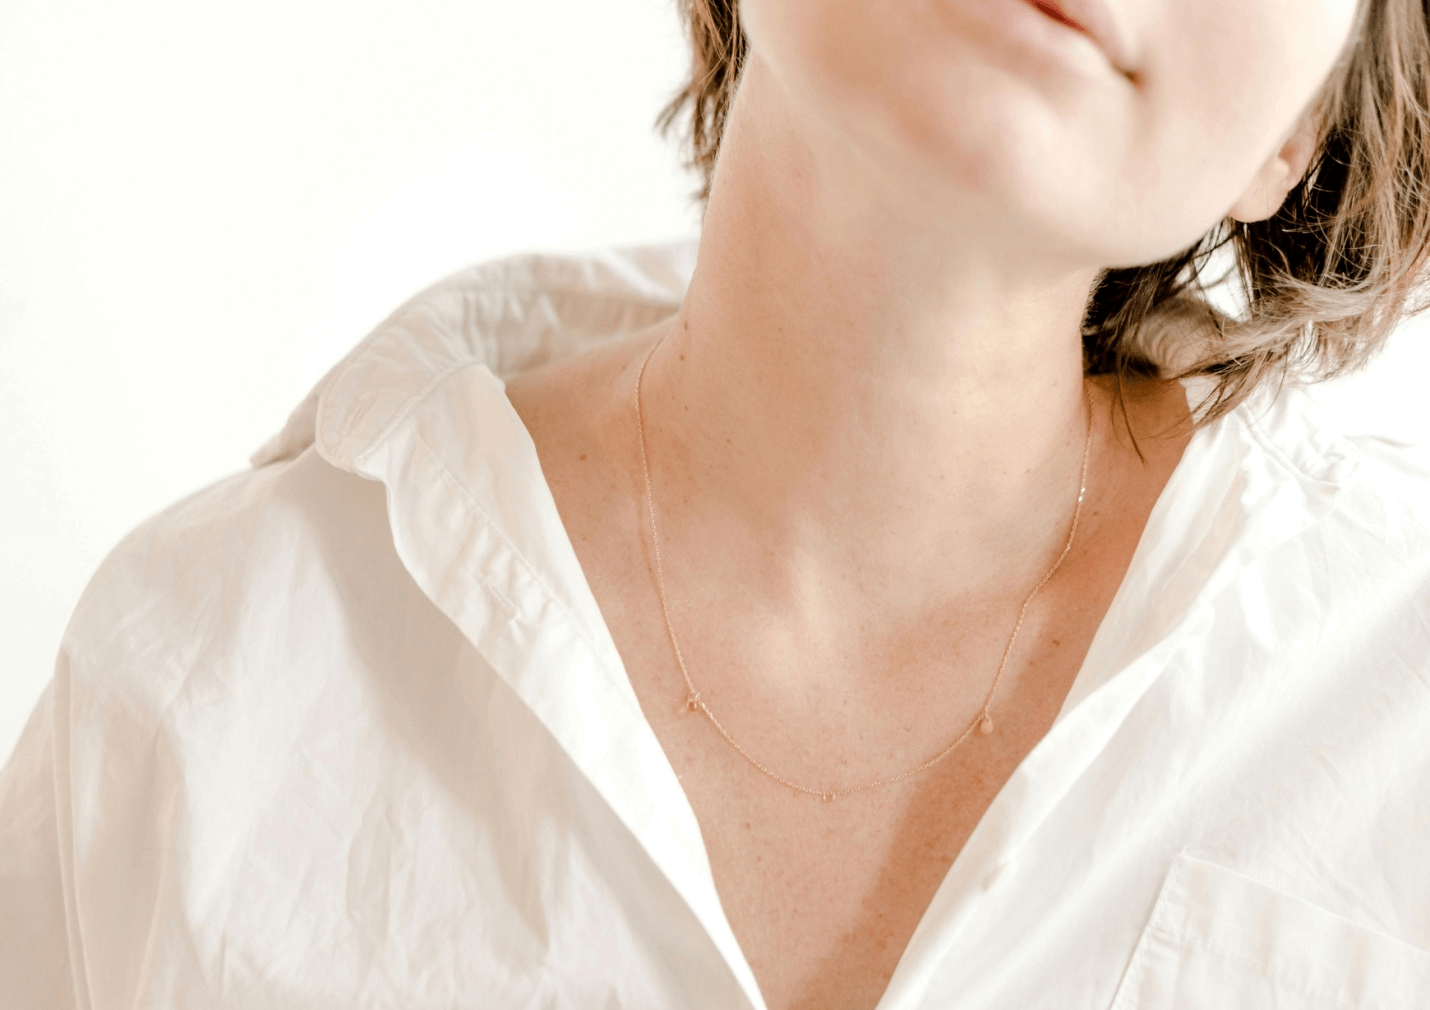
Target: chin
x=1041, y=153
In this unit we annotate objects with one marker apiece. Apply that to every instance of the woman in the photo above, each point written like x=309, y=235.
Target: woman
x=938, y=604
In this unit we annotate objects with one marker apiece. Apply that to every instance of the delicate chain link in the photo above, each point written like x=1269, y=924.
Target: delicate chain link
x=695, y=703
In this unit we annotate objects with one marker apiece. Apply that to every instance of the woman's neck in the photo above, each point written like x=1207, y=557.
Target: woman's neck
x=854, y=374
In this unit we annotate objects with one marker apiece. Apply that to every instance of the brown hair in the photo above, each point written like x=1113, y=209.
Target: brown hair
x=1320, y=285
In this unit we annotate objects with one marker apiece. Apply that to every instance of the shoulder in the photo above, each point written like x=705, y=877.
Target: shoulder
x=1394, y=474
x=1377, y=541
x=283, y=551
x=1383, y=504
x=1374, y=481
x=1344, y=520
x=220, y=579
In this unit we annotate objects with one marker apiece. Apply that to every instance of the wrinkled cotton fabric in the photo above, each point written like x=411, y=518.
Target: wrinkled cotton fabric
x=348, y=730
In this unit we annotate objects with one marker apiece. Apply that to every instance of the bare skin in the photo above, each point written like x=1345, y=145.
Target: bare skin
x=865, y=426
x=824, y=897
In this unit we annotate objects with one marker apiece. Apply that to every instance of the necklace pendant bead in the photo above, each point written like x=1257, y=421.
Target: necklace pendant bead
x=827, y=797
x=985, y=726
x=692, y=703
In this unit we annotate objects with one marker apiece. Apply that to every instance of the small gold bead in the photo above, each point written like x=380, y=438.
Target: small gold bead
x=986, y=726
x=692, y=703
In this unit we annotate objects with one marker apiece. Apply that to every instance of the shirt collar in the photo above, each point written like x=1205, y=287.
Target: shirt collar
x=1247, y=483
x=509, y=315
x=420, y=406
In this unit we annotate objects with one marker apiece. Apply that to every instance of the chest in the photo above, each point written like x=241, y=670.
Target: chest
x=824, y=895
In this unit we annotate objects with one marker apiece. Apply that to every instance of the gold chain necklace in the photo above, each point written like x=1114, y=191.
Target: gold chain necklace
x=694, y=703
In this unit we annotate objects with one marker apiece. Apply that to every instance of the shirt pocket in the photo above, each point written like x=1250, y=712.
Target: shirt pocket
x=1219, y=940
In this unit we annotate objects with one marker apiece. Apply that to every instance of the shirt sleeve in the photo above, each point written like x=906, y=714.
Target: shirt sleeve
x=36, y=966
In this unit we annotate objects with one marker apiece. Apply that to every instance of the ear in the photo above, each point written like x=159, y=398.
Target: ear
x=1279, y=175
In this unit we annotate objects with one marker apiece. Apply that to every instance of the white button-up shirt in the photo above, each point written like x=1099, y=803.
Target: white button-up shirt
x=348, y=730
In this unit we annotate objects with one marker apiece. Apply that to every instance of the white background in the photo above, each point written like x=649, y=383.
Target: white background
x=203, y=206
